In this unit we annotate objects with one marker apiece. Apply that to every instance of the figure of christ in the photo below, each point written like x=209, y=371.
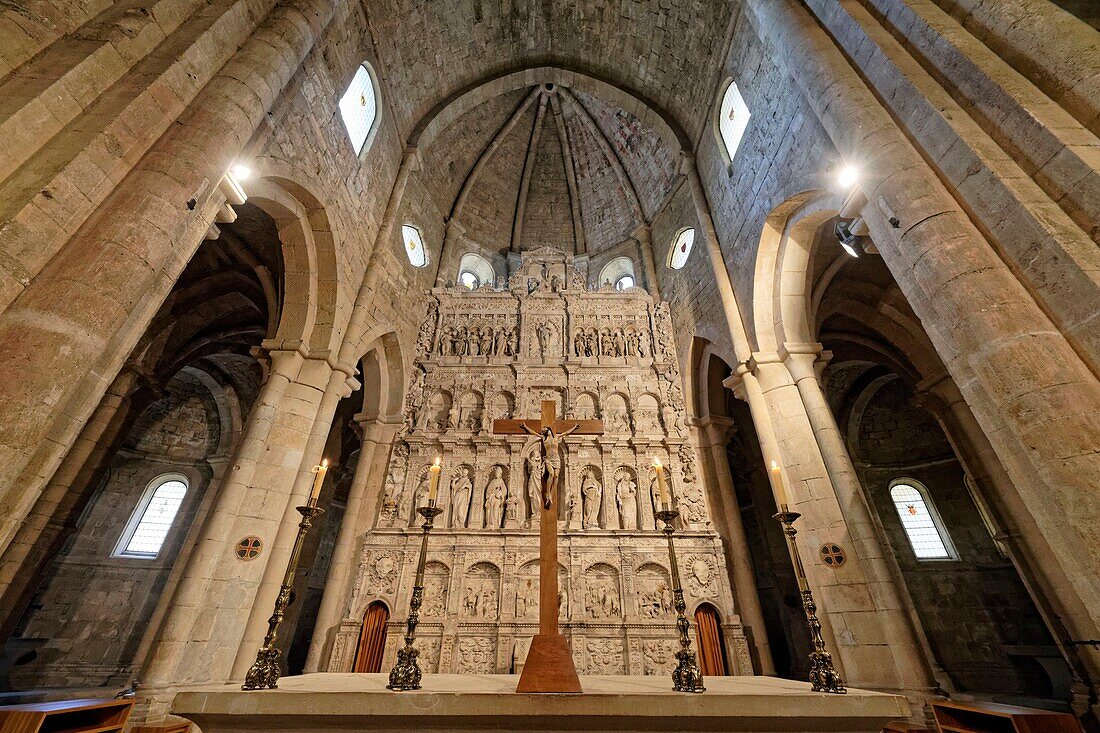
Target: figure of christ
x=549, y=666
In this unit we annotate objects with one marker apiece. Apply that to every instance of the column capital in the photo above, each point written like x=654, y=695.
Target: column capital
x=716, y=429
x=806, y=361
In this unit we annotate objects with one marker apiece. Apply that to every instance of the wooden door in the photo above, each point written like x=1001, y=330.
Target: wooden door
x=372, y=639
x=712, y=652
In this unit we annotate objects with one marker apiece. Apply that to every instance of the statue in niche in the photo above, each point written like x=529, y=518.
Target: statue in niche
x=495, y=493
x=534, y=488
x=620, y=343
x=461, y=342
x=487, y=341
x=511, y=510
x=499, y=342
x=395, y=478
x=578, y=344
x=572, y=504
x=475, y=342
x=461, y=491
x=445, y=343
x=631, y=342
x=420, y=499
x=591, y=492
x=544, y=333
x=590, y=345
x=626, y=494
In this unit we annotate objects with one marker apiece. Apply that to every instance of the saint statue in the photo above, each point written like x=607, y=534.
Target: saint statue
x=461, y=490
x=591, y=491
x=534, y=485
x=421, y=499
x=495, y=493
x=626, y=493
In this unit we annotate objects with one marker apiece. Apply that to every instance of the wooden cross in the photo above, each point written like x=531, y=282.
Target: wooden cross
x=549, y=666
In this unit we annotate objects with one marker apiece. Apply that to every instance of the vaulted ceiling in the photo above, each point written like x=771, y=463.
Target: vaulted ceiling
x=665, y=51
x=549, y=165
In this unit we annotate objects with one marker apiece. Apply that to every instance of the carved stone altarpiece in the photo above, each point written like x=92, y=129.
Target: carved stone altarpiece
x=488, y=354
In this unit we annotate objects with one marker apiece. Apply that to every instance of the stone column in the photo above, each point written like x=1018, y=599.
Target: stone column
x=644, y=235
x=340, y=384
x=208, y=611
x=373, y=457
x=884, y=581
x=20, y=561
x=713, y=436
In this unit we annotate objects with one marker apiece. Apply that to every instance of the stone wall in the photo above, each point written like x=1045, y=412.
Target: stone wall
x=93, y=608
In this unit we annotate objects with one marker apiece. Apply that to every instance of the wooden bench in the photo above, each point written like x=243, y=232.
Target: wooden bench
x=164, y=728
x=66, y=716
x=967, y=717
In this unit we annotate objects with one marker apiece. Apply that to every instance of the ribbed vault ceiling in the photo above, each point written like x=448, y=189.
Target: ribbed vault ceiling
x=550, y=166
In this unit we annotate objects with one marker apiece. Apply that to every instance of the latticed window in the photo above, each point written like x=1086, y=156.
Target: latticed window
x=152, y=519
x=733, y=119
x=681, y=248
x=921, y=523
x=359, y=108
x=414, y=246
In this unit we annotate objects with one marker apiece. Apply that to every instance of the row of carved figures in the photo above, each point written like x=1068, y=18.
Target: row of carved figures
x=501, y=507
x=609, y=342
x=478, y=341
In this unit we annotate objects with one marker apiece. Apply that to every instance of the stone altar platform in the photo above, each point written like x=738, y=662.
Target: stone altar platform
x=451, y=702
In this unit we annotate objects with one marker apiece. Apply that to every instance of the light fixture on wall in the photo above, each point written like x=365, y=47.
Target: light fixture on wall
x=844, y=236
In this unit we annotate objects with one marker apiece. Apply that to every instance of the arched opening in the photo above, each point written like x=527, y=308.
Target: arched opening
x=708, y=635
x=372, y=638
x=475, y=271
x=917, y=456
x=619, y=273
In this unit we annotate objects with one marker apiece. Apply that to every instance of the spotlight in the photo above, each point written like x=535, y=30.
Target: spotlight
x=241, y=171
x=847, y=176
x=843, y=232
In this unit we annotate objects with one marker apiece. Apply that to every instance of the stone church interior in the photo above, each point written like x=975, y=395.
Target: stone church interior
x=809, y=291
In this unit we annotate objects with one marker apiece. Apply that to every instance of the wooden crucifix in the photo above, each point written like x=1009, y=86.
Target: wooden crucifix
x=549, y=666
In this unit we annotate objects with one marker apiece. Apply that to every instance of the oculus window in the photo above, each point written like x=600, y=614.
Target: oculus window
x=475, y=271
x=681, y=248
x=923, y=528
x=152, y=519
x=414, y=245
x=733, y=118
x=624, y=282
x=359, y=108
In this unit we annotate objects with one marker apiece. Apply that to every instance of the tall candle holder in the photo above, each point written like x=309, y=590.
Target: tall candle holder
x=687, y=677
x=264, y=672
x=406, y=674
x=823, y=676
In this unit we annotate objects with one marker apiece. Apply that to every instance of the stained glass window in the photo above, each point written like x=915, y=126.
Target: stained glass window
x=681, y=248
x=153, y=518
x=920, y=522
x=359, y=108
x=733, y=119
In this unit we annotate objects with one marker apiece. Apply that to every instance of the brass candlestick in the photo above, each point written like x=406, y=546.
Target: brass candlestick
x=687, y=677
x=823, y=676
x=406, y=674
x=264, y=672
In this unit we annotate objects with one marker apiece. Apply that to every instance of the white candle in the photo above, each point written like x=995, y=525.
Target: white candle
x=318, y=480
x=777, y=483
x=433, y=485
x=662, y=487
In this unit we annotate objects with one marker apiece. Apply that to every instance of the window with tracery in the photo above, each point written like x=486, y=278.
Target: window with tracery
x=681, y=248
x=733, y=118
x=923, y=528
x=152, y=520
x=414, y=246
x=359, y=108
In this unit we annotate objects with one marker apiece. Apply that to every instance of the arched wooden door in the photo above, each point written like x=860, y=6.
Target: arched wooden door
x=372, y=639
x=712, y=652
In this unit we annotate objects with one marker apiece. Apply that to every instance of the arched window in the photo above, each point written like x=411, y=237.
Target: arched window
x=359, y=107
x=733, y=118
x=475, y=271
x=153, y=517
x=618, y=272
x=414, y=245
x=681, y=248
x=921, y=521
